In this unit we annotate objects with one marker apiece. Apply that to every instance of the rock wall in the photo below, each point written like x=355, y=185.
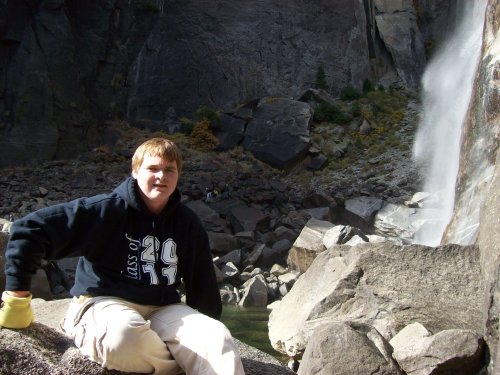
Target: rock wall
x=67, y=66
x=477, y=200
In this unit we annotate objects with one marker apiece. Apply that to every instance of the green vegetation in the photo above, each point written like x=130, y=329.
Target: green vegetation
x=147, y=5
x=367, y=86
x=200, y=129
x=331, y=113
x=356, y=109
x=209, y=114
x=349, y=93
x=320, y=82
x=383, y=109
x=187, y=125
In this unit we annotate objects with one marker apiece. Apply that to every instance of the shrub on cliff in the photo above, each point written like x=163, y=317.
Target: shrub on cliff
x=202, y=138
x=331, y=113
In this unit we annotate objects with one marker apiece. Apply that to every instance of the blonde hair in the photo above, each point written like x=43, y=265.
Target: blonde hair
x=162, y=147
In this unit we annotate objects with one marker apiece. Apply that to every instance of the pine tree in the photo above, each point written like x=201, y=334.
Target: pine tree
x=321, y=78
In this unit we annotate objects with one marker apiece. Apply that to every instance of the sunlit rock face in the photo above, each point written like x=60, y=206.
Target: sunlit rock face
x=477, y=200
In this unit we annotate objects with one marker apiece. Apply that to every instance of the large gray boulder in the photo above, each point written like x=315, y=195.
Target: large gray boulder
x=361, y=210
x=452, y=351
x=348, y=348
x=279, y=132
x=401, y=223
x=308, y=245
x=245, y=218
x=229, y=131
x=382, y=284
x=254, y=292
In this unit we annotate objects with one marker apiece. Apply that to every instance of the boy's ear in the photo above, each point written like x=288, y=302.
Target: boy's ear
x=134, y=174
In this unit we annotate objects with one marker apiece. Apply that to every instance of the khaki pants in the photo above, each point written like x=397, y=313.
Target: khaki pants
x=173, y=339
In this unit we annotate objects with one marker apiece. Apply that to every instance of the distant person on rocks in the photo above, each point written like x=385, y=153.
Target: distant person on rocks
x=209, y=195
x=136, y=246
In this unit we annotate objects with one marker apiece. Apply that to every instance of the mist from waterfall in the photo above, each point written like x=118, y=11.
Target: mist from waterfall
x=447, y=87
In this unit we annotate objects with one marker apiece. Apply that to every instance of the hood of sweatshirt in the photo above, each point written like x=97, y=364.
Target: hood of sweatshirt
x=128, y=191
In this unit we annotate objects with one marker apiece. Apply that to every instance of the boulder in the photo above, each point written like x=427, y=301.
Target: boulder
x=348, y=348
x=278, y=133
x=316, y=200
x=229, y=295
x=401, y=222
x=208, y=216
x=320, y=213
x=307, y=246
x=342, y=234
x=230, y=271
x=254, y=255
x=223, y=243
x=452, y=351
x=282, y=246
x=270, y=257
x=363, y=209
x=229, y=131
x=365, y=127
x=317, y=162
x=254, y=292
x=284, y=233
x=288, y=279
x=296, y=220
x=234, y=257
x=384, y=285
x=411, y=332
x=316, y=96
x=244, y=218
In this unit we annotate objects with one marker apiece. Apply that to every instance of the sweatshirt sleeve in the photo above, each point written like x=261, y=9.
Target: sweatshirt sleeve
x=202, y=290
x=51, y=233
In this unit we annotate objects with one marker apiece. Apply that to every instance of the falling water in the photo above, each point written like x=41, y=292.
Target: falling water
x=447, y=86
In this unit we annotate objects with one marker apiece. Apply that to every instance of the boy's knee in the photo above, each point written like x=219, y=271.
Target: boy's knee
x=215, y=332
x=134, y=347
x=125, y=337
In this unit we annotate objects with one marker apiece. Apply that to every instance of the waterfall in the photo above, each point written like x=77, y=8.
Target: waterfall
x=447, y=86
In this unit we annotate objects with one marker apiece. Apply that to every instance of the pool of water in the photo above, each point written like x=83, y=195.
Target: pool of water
x=249, y=325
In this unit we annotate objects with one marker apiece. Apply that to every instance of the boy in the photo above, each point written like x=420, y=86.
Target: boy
x=136, y=245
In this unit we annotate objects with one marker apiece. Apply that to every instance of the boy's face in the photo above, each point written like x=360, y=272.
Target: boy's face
x=157, y=179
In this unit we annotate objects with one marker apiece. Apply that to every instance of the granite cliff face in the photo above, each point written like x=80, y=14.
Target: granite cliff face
x=477, y=201
x=68, y=66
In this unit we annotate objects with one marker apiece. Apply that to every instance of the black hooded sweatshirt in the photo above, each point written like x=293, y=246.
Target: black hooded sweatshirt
x=125, y=250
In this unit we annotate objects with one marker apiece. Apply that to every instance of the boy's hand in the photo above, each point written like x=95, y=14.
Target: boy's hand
x=16, y=312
